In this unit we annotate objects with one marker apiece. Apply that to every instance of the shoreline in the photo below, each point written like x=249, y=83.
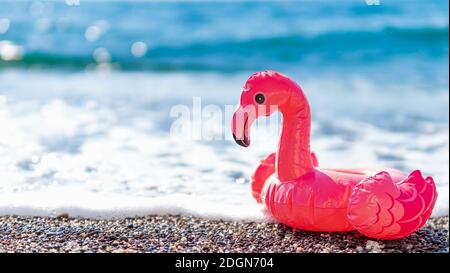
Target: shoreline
x=174, y=233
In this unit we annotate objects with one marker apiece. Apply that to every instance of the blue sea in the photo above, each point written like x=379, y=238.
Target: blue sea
x=87, y=89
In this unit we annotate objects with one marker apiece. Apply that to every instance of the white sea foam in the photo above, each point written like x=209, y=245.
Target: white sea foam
x=97, y=145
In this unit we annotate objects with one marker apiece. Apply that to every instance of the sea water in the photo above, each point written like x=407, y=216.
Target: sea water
x=88, y=92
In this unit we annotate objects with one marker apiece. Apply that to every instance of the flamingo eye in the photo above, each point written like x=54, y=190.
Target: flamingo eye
x=259, y=98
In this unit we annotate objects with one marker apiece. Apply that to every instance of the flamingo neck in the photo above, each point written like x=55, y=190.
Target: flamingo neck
x=294, y=153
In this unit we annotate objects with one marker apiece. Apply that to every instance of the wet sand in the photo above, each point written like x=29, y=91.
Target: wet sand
x=192, y=234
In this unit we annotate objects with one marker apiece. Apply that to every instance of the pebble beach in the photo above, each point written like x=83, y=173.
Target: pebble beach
x=191, y=234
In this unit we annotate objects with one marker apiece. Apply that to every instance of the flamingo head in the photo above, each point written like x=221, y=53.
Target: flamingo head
x=263, y=93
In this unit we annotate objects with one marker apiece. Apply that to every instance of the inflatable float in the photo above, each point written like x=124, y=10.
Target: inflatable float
x=380, y=203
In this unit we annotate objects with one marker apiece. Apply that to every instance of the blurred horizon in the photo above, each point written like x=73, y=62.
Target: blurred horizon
x=199, y=36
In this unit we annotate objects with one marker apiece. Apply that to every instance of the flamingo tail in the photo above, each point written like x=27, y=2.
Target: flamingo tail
x=382, y=209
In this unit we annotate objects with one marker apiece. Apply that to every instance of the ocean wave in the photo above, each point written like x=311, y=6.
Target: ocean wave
x=352, y=47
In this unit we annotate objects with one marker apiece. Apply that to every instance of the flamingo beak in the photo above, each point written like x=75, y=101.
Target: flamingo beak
x=244, y=140
x=241, y=123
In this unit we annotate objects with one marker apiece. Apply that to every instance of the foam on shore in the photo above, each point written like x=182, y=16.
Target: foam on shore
x=99, y=145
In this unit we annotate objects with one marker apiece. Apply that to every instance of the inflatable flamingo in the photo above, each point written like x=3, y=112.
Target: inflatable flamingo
x=380, y=203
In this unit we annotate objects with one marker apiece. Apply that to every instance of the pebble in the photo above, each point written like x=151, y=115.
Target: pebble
x=192, y=234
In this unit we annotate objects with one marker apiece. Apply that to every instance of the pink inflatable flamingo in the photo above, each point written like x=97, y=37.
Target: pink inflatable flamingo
x=378, y=202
